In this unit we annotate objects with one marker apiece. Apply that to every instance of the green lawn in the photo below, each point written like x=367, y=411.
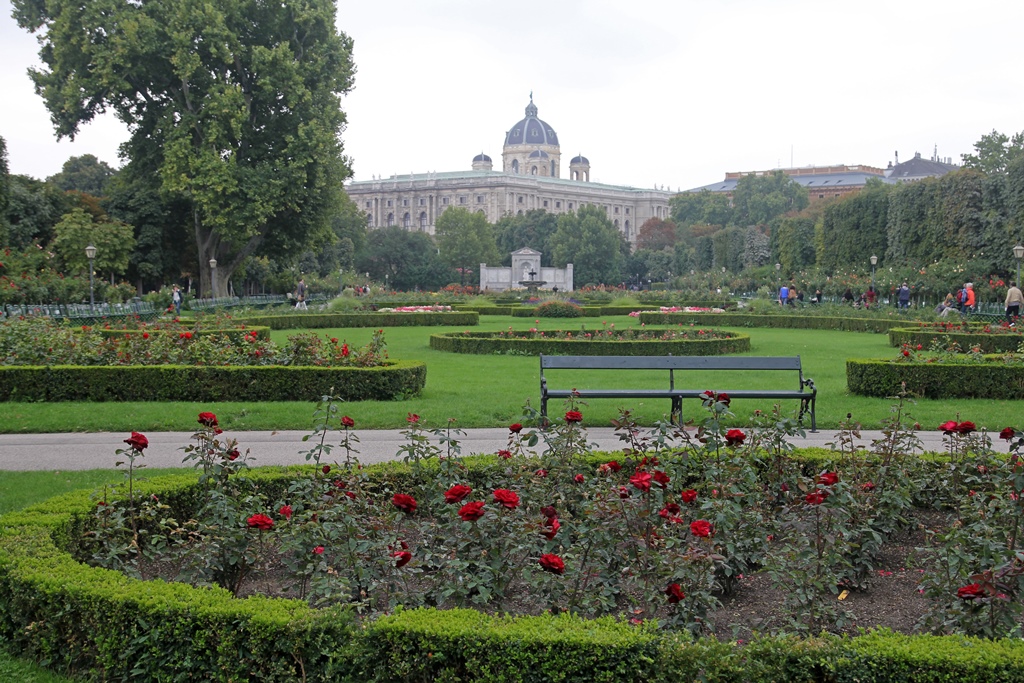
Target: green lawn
x=489, y=391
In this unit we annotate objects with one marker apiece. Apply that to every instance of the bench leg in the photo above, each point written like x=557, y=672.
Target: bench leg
x=676, y=416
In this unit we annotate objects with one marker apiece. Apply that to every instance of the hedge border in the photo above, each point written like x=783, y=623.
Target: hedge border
x=492, y=342
x=800, y=322
x=298, y=321
x=235, y=333
x=882, y=378
x=394, y=381
x=988, y=343
x=88, y=619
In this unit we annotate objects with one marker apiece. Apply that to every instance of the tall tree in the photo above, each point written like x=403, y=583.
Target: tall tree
x=466, y=240
x=233, y=105
x=33, y=208
x=760, y=199
x=84, y=174
x=113, y=241
x=5, y=191
x=589, y=241
x=994, y=152
x=533, y=229
x=656, y=234
x=408, y=259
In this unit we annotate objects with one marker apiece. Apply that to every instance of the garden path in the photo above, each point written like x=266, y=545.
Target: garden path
x=84, y=451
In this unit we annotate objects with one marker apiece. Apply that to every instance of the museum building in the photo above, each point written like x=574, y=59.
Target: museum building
x=529, y=179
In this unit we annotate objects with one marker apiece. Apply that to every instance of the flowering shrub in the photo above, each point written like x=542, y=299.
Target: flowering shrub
x=416, y=309
x=678, y=309
x=558, y=309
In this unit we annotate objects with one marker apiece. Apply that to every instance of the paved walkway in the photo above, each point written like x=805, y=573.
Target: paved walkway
x=96, y=450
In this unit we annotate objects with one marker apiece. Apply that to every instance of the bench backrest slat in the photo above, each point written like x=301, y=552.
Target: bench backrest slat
x=670, y=362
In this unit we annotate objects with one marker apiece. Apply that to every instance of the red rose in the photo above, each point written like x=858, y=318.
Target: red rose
x=326, y=469
x=404, y=502
x=553, y=526
x=286, y=511
x=701, y=528
x=260, y=521
x=828, y=479
x=574, y=416
x=208, y=419
x=412, y=418
x=319, y=550
x=470, y=512
x=670, y=509
x=145, y=335
x=688, y=496
x=137, y=441
x=505, y=454
x=506, y=498
x=334, y=340
x=541, y=472
x=965, y=428
x=661, y=478
x=515, y=428
x=233, y=454
x=734, y=437
x=641, y=480
x=906, y=354
x=867, y=486
x=344, y=350
x=549, y=511
x=457, y=493
x=1008, y=433
x=816, y=497
x=948, y=427
x=579, y=479
x=675, y=593
x=348, y=421
x=708, y=395
x=552, y=563
x=623, y=492
x=614, y=466
x=971, y=591
x=402, y=558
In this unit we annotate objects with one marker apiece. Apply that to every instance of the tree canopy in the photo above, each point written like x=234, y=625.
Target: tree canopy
x=589, y=241
x=232, y=105
x=84, y=174
x=994, y=152
x=466, y=240
x=533, y=229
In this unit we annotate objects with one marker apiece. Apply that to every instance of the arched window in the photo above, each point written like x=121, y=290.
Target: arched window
x=423, y=219
x=391, y=219
x=515, y=165
x=533, y=171
x=369, y=219
x=616, y=223
x=626, y=225
x=406, y=221
x=575, y=175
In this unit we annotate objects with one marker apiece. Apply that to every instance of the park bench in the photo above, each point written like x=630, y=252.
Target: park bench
x=805, y=392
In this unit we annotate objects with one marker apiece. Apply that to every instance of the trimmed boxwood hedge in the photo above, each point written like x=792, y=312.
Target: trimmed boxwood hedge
x=801, y=322
x=394, y=381
x=494, y=342
x=589, y=310
x=879, y=377
x=1005, y=342
x=301, y=321
x=99, y=623
x=234, y=333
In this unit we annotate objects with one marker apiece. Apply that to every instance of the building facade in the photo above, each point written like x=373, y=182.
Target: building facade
x=529, y=179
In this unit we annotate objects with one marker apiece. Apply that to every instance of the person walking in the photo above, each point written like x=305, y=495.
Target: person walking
x=783, y=295
x=176, y=300
x=903, y=297
x=300, y=294
x=1014, y=298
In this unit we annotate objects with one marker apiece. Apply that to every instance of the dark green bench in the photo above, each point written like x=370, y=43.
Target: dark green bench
x=805, y=391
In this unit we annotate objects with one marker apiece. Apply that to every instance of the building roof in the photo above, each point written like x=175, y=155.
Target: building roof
x=480, y=176
x=824, y=181
x=481, y=157
x=531, y=130
x=580, y=159
x=919, y=168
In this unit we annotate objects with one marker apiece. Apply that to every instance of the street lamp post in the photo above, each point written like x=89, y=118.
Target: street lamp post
x=1018, y=253
x=213, y=278
x=778, y=273
x=874, y=262
x=90, y=253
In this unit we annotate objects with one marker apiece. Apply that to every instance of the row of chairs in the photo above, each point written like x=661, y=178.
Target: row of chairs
x=141, y=309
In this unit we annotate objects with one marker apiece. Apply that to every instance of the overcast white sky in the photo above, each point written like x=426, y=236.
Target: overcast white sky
x=654, y=92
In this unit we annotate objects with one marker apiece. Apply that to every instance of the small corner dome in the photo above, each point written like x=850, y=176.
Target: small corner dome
x=481, y=157
x=580, y=160
x=538, y=154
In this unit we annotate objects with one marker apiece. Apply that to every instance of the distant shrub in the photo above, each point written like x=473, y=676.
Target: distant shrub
x=558, y=309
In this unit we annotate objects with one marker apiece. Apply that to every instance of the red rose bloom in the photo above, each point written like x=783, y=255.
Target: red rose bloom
x=457, y=493
x=688, y=496
x=553, y=526
x=348, y=421
x=208, y=419
x=470, y=512
x=701, y=528
x=319, y=550
x=1007, y=434
x=971, y=591
x=404, y=502
x=816, y=497
x=828, y=479
x=505, y=454
x=948, y=427
x=552, y=563
x=260, y=521
x=623, y=492
x=670, y=509
x=724, y=398
x=402, y=558
x=965, y=428
x=541, y=472
x=675, y=593
x=574, y=416
x=326, y=469
x=579, y=479
x=642, y=481
x=286, y=511
x=233, y=454
x=515, y=428
x=867, y=486
x=614, y=466
x=549, y=511
x=506, y=498
x=734, y=437
x=412, y=418
x=661, y=478
x=137, y=442
x=145, y=335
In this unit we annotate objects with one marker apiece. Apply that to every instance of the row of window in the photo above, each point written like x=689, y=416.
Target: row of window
x=445, y=201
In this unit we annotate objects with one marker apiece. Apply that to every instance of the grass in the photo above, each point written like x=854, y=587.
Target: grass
x=490, y=391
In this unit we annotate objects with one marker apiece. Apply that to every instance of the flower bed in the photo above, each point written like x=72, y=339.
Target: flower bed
x=416, y=309
x=656, y=533
x=959, y=337
x=677, y=309
x=298, y=321
x=803, y=322
x=605, y=341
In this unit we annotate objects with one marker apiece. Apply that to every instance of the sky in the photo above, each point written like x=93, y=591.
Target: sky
x=669, y=94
